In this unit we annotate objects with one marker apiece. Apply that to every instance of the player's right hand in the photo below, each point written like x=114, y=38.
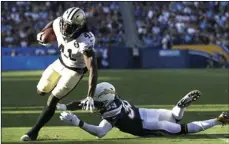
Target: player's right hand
x=61, y=107
x=39, y=39
x=88, y=104
x=70, y=118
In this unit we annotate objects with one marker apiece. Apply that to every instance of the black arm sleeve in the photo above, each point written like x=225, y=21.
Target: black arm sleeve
x=74, y=105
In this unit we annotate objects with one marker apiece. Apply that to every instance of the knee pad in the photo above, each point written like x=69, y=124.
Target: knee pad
x=52, y=101
x=176, y=119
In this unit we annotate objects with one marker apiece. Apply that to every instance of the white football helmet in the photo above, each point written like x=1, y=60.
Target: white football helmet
x=72, y=21
x=104, y=93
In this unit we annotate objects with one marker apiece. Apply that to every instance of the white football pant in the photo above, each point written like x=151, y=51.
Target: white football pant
x=58, y=79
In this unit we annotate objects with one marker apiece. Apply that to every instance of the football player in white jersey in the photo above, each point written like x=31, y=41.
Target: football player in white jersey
x=76, y=44
x=127, y=118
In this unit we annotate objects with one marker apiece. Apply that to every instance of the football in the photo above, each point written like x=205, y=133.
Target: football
x=48, y=36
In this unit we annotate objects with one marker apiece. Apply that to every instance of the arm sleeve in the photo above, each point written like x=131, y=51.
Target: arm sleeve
x=86, y=44
x=98, y=131
x=74, y=105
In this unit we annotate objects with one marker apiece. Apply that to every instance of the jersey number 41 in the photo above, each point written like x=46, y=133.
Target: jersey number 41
x=68, y=53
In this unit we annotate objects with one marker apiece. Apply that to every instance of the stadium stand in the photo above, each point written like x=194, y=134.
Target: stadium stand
x=21, y=21
x=161, y=24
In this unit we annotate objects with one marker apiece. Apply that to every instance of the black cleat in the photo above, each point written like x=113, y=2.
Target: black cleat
x=189, y=98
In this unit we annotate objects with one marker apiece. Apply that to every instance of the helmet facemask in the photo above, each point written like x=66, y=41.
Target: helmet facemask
x=72, y=21
x=68, y=29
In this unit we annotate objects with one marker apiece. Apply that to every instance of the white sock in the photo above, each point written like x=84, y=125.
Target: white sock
x=198, y=126
x=178, y=112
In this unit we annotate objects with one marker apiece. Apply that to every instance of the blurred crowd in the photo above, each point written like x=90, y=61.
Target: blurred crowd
x=162, y=24
x=21, y=21
x=159, y=24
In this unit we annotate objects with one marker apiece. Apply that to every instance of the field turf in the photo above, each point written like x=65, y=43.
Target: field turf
x=145, y=88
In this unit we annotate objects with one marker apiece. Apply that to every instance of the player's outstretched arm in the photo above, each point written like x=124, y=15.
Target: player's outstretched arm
x=101, y=130
x=74, y=105
x=91, y=63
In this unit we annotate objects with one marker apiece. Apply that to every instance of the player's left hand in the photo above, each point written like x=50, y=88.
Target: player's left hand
x=69, y=118
x=39, y=35
x=88, y=104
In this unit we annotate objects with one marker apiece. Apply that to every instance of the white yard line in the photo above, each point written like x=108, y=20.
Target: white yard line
x=217, y=137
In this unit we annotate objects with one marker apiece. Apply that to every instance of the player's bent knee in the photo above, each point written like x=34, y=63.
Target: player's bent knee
x=101, y=135
x=40, y=93
x=45, y=86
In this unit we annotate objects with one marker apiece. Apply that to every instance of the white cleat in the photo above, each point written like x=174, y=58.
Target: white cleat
x=189, y=98
x=26, y=138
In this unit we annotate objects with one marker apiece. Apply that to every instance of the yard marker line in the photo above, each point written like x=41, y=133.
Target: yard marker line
x=217, y=137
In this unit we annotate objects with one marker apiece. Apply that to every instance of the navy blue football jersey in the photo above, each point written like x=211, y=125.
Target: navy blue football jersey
x=124, y=116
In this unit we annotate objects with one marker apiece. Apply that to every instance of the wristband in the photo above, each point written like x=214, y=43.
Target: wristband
x=81, y=123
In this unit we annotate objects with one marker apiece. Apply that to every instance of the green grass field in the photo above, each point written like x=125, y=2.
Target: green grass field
x=145, y=88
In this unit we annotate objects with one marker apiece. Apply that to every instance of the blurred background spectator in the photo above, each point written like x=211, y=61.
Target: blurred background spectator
x=21, y=21
x=159, y=24
x=162, y=23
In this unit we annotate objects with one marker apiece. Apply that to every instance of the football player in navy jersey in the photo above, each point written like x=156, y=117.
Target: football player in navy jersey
x=127, y=118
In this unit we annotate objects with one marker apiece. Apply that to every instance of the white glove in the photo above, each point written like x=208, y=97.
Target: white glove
x=88, y=104
x=39, y=35
x=69, y=118
x=61, y=107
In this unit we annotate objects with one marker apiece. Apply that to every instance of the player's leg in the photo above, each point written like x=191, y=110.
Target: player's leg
x=178, y=110
x=66, y=83
x=73, y=105
x=48, y=80
x=174, y=115
x=169, y=128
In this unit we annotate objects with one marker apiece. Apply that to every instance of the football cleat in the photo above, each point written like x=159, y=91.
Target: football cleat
x=26, y=138
x=189, y=98
x=223, y=118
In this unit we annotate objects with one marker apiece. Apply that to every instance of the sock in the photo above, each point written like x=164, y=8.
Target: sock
x=45, y=116
x=178, y=112
x=198, y=126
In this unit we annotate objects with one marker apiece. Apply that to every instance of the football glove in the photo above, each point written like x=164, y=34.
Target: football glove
x=88, y=104
x=39, y=35
x=69, y=118
x=61, y=107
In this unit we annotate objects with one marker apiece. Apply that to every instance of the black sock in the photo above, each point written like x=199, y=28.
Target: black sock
x=45, y=116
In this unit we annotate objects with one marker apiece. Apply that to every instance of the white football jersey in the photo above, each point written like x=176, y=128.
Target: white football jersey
x=72, y=49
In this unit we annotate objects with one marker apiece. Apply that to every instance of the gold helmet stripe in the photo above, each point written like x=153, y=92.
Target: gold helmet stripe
x=73, y=13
